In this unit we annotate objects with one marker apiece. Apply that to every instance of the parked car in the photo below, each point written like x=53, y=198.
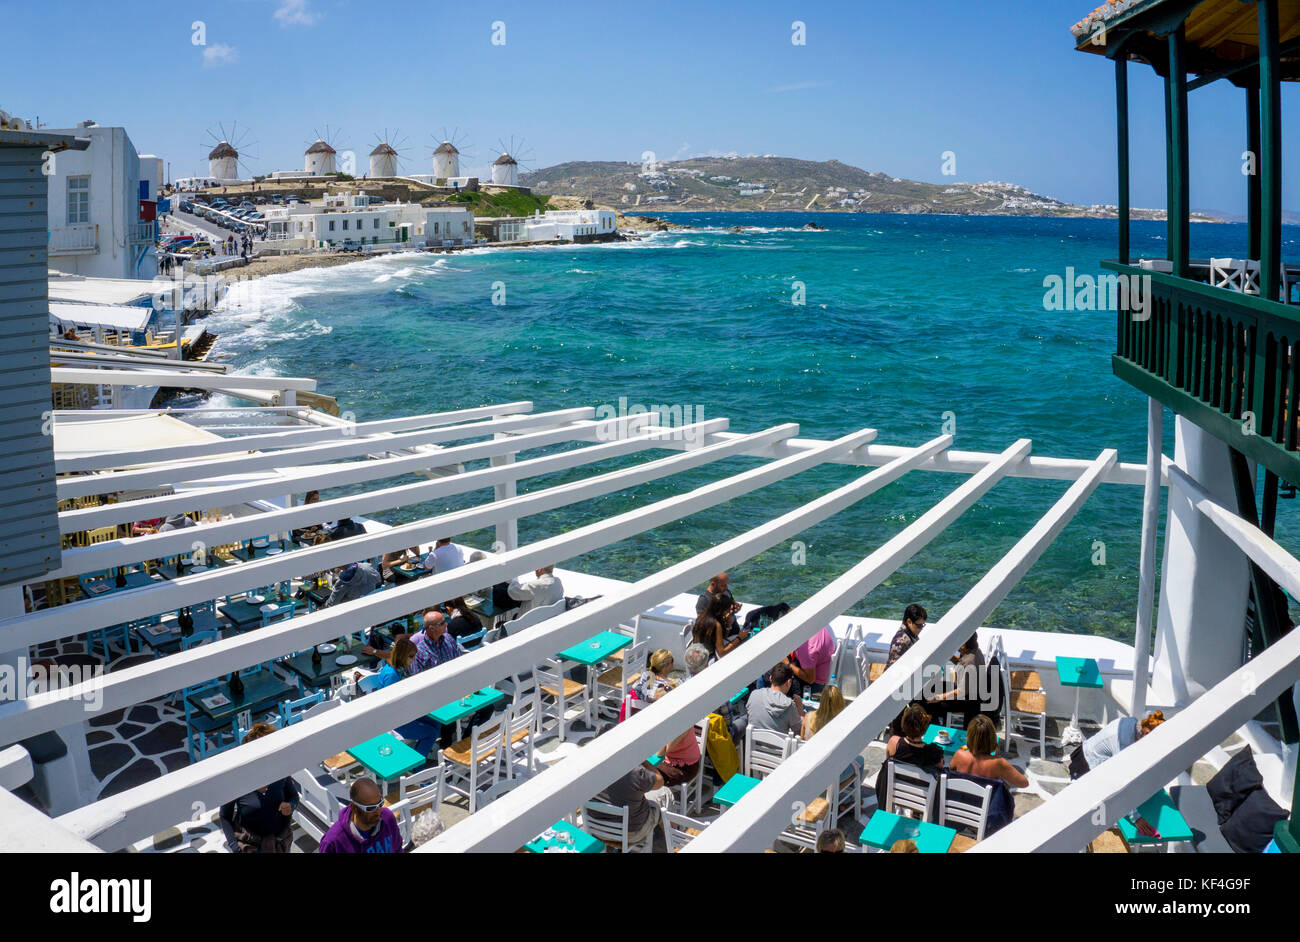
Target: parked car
x=350, y=245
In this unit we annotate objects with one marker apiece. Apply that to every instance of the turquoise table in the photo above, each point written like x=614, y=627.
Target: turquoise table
x=956, y=738
x=584, y=842
x=1077, y=672
x=1160, y=813
x=596, y=649
x=737, y=787
x=468, y=706
x=885, y=829
x=738, y=697
x=656, y=760
x=401, y=760
x=134, y=580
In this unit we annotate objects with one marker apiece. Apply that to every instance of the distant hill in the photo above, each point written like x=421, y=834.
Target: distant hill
x=786, y=184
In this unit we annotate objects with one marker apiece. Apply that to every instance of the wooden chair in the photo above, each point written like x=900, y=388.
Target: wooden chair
x=557, y=691
x=1026, y=716
x=474, y=763
x=521, y=723
x=612, y=685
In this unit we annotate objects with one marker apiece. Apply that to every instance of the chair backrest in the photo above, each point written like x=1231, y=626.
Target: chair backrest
x=635, y=660
x=765, y=750
x=291, y=711
x=283, y=612
x=317, y=709
x=862, y=657
x=535, y=615
x=910, y=787
x=523, y=716
x=1227, y=272
x=678, y=830
x=425, y=786
x=471, y=641
x=606, y=822
x=497, y=789
x=688, y=633
x=964, y=803
x=199, y=637
x=550, y=674
x=324, y=806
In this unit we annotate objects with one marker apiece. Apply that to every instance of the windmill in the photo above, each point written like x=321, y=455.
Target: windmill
x=505, y=169
x=229, y=152
x=386, y=158
x=319, y=157
x=447, y=152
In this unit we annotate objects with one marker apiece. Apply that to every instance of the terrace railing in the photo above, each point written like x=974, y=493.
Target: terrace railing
x=1223, y=359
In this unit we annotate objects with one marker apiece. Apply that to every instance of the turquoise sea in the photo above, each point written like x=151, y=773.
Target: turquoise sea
x=905, y=318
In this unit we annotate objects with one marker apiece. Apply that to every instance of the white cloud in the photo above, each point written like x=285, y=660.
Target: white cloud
x=295, y=13
x=799, y=86
x=219, y=54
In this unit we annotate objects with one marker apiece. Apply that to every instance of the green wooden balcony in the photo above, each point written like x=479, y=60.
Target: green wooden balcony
x=1219, y=358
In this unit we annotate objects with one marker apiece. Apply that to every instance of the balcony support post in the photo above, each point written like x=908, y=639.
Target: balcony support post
x=1270, y=157
x=1121, y=141
x=1253, y=178
x=1176, y=154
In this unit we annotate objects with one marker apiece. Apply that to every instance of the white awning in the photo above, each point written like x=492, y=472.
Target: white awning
x=116, y=316
x=97, y=436
x=89, y=290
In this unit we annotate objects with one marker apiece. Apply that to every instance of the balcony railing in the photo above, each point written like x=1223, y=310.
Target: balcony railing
x=74, y=240
x=139, y=232
x=1221, y=358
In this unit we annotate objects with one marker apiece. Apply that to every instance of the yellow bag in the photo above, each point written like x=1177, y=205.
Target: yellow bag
x=722, y=751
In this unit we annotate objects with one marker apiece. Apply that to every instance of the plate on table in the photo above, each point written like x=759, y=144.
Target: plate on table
x=346, y=660
x=194, y=569
x=268, y=608
x=260, y=542
x=215, y=701
x=327, y=648
x=256, y=599
x=97, y=588
x=274, y=551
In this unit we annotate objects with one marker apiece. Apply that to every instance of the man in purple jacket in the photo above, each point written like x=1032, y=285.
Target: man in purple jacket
x=365, y=826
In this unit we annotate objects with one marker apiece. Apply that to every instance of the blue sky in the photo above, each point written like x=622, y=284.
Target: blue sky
x=885, y=86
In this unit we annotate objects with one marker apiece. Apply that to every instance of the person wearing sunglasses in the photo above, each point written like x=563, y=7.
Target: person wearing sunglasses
x=365, y=825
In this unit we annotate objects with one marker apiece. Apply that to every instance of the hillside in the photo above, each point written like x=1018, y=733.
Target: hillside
x=750, y=184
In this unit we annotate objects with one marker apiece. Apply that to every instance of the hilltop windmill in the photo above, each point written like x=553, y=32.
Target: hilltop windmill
x=386, y=158
x=447, y=152
x=229, y=152
x=505, y=169
x=319, y=157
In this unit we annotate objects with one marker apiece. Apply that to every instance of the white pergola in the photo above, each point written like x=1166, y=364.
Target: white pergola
x=259, y=468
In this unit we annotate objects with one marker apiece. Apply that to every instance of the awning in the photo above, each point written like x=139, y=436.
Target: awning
x=136, y=432
x=116, y=316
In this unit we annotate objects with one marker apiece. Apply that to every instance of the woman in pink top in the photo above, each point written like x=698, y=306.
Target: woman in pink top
x=682, y=755
x=811, y=661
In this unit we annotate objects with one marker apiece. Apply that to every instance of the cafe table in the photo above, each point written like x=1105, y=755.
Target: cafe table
x=1160, y=812
x=956, y=738
x=596, y=648
x=107, y=586
x=582, y=842
x=245, y=615
x=165, y=638
x=168, y=570
x=261, y=692
x=886, y=828
x=486, y=612
x=251, y=552
x=736, y=788
x=407, y=572
x=400, y=759
x=317, y=676
x=1077, y=672
x=466, y=707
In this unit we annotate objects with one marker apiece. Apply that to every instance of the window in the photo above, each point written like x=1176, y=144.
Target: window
x=376, y=221
x=345, y=224
x=435, y=228
x=331, y=225
x=78, y=200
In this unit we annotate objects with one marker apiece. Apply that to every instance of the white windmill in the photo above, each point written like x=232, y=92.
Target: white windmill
x=385, y=159
x=320, y=156
x=505, y=169
x=227, y=151
x=447, y=152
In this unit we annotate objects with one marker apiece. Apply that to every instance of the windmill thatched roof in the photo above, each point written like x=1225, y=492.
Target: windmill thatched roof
x=320, y=147
x=384, y=148
x=446, y=147
x=504, y=159
x=223, y=150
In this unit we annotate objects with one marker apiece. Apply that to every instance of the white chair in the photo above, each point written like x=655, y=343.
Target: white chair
x=535, y=615
x=808, y=825
x=609, y=824
x=1250, y=276
x=679, y=830
x=557, y=692
x=521, y=724
x=427, y=786
x=1228, y=273
x=474, y=763
x=612, y=685
x=765, y=750
x=973, y=813
x=908, y=788
x=318, y=807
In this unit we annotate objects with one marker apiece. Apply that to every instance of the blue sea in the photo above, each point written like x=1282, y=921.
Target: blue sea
x=905, y=318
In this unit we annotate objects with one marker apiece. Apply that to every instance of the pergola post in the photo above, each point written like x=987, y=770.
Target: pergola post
x=1253, y=179
x=1176, y=154
x=1147, y=561
x=1121, y=142
x=1270, y=153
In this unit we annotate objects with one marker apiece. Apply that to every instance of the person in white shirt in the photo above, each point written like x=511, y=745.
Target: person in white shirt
x=445, y=556
x=540, y=590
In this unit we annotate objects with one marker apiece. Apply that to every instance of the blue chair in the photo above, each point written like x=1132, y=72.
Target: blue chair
x=204, y=735
x=469, y=642
x=291, y=710
x=283, y=612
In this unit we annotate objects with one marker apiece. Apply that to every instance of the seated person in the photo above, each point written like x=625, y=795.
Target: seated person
x=717, y=597
x=829, y=706
x=308, y=534
x=176, y=522
x=760, y=618
x=365, y=825
x=914, y=620
x=830, y=841
x=978, y=756
x=355, y=581
x=260, y=822
x=463, y=621
x=771, y=707
x=540, y=590
x=730, y=634
x=707, y=632
x=444, y=557
x=909, y=748
x=424, y=731
x=811, y=662
x=682, y=755
x=436, y=645
x=344, y=528
x=630, y=792
x=656, y=679
x=1109, y=740
x=391, y=560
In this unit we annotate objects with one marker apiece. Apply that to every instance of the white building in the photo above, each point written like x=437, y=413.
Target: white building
x=571, y=225
x=446, y=161
x=505, y=171
x=383, y=161
x=223, y=162
x=351, y=218
x=319, y=159
x=101, y=207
